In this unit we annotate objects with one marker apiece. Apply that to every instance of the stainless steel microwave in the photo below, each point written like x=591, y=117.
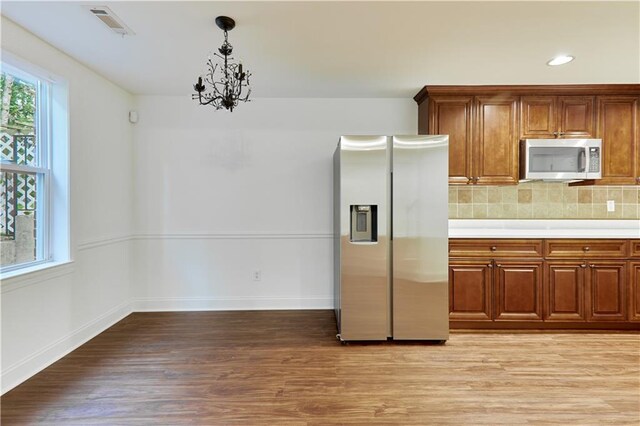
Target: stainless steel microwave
x=560, y=159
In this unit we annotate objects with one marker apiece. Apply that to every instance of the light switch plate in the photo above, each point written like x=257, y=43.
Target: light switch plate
x=611, y=205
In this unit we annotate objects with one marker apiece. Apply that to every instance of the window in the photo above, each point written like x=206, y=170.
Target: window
x=25, y=147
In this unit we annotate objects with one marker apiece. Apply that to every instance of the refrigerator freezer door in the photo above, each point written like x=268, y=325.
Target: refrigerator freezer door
x=420, y=237
x=363, y=261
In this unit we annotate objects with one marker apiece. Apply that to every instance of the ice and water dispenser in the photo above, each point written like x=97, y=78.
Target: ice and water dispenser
x=364, y=223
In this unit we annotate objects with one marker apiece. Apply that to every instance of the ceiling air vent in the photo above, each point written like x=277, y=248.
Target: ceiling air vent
x=110, y=19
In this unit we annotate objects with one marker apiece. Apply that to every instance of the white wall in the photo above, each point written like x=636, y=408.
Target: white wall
x=220, y=195
x=46, y=314
x=177, y=211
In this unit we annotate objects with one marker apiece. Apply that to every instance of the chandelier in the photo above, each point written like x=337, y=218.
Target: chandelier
x=224, y=84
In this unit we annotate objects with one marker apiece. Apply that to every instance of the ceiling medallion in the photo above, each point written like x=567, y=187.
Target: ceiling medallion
x=225, y=83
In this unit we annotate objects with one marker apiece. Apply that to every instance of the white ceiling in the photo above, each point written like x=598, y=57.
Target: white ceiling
x=348, y=49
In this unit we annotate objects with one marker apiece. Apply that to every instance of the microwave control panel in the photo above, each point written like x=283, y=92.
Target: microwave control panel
x=594, y=160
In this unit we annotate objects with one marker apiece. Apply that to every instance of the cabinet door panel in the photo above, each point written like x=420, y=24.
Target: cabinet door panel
x=518, y=288
x=634, y=292
x=618, y=129
x=576, y=117
x=470, y=290
x=606, y=291
x=495, y=158
x=537, y=117
x=452, y=116
x=564, y=291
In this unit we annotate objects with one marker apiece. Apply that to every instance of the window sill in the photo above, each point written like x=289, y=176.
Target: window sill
x=22, y=277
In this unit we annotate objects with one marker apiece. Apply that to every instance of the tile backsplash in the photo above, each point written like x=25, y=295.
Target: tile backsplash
x=542, y=200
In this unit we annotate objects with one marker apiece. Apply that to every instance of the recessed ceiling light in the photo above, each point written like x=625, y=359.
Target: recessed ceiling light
x=560, y=60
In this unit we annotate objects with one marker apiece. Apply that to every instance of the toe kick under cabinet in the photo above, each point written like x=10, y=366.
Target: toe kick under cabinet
x=544, y=284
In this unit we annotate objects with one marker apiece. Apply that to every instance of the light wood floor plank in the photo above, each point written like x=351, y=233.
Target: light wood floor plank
x=286, y=368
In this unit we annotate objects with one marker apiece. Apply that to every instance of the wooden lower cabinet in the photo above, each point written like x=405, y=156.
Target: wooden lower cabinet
x=634, y=291
x=518, y=291
x=606, y=291
x=470, y=284
x=597, y=288
x=586, y=249
x=564, y=283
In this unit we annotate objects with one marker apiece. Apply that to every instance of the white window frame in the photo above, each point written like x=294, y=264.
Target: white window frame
x=42, y=169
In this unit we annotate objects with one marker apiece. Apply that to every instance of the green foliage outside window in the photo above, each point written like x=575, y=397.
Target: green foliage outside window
x=18, y=107
x=17, y=146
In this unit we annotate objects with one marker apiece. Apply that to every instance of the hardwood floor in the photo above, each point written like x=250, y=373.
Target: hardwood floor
x=286, y=367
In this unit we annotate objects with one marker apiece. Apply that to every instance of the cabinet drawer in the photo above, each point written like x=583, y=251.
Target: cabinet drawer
x=495, y=248
x=585, y=248
x=635, y=248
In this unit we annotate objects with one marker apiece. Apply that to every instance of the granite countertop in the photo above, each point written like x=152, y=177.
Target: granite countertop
x=517, y=228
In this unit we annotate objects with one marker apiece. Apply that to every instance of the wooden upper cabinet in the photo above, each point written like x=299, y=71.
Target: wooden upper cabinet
x=486, y=123
x=618, y=129
x=495, y=140
x=537, y=117
x=452, y=115
x=548, y=117
x=576, y=116
x=483, y=136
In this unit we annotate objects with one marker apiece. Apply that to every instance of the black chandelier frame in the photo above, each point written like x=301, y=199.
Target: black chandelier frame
x=224, y=84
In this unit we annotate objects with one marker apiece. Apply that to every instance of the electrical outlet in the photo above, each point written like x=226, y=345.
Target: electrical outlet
x=611, y=205
x=257, y=275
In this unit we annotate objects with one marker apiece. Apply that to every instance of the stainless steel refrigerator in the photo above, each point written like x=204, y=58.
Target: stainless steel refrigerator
x=391, y=237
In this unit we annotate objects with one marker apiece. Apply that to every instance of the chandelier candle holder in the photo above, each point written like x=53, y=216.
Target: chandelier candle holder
x=225, y=83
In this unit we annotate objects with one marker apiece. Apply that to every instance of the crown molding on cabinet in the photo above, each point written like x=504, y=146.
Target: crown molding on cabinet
x=539, y=89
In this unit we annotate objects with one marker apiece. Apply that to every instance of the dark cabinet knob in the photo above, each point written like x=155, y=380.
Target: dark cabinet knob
x=494, y=248
x=584, y=265
x=490, y=265
x=586, y=248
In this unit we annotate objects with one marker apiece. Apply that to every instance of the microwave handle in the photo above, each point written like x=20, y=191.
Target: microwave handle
x=582, y=161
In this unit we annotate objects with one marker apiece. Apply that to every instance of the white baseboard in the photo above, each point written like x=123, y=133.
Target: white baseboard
x=156, y=304
x=23, y=370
